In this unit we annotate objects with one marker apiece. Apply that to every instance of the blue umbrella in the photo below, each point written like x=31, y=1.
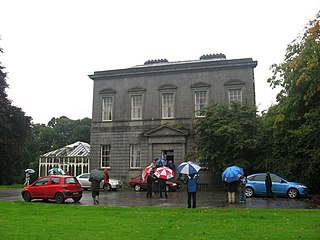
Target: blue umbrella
x=232, y=174
x=189, y=168
x=161, y=162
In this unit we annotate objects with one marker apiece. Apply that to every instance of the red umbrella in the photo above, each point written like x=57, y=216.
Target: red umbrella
x=146, y=171
x=164, y=173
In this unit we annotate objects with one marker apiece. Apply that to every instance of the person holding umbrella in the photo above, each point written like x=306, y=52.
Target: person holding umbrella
x=95, y=178
x=192, y=182
x=231, y=176
x=27, y=175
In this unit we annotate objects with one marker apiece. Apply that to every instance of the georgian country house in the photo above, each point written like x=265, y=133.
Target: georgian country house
x=146, y=111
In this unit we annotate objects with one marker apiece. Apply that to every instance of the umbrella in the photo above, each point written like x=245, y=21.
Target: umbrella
x=56, y=171
x=146, y=171
x=189, y=167
x=97, y=175
x=161, y=162
x=231, y=174
x=29, y=170
x=163, y=173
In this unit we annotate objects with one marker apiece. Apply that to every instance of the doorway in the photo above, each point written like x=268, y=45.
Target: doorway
x=168, y=154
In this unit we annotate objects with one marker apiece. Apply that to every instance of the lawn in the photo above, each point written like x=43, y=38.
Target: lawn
x=20, y=220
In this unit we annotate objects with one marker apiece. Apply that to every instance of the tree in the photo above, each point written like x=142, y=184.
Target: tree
x=15, y=130
x=294, y=122
x=228, y=135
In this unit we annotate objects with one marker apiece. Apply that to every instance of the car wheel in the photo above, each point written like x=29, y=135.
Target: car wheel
x=76, y=199
x=249, y=192
x=292, y=193
x=167, y=188
x=137, y=187
x=59, y=198
x=26, y=197
x=107, y=187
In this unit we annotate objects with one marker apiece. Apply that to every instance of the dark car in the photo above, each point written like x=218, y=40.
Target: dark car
x=280, y=186
x=138, y=184
x=57, y=187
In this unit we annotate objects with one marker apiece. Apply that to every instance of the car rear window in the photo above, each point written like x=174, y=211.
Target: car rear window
x=71, y=180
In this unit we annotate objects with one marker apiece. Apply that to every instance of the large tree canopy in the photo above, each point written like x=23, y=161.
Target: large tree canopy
x=294, y=122
x=228, y=135
x=15, y=130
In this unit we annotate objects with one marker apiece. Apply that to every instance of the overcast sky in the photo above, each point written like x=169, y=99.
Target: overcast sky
x=50, y=47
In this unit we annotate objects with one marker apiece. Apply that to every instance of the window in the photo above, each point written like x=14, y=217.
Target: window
x=136, y=107
x=235, y=95
x=135, y=156
x=107, y=104
x=200, y=102
x=167, y=105
x=55, y=180
x=105, y=156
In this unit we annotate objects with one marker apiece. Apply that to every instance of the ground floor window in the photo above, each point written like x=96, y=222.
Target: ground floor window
x=135, y=156
x=105, y=156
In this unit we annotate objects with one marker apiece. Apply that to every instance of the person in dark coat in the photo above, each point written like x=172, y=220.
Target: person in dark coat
x=192, y=183
x=232, y=189
x=150, y=181
x=163, y=187
x=95, y=188
x=268, y=182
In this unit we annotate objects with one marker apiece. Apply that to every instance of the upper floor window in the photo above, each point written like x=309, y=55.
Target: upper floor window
x=105, y=157
x=200, y=102
x=235, y=95
x=136, y=107
x=107, y=106
x=135, y=156
x=167, y=101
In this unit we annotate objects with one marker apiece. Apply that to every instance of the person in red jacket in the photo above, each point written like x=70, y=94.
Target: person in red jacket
x=106, y=176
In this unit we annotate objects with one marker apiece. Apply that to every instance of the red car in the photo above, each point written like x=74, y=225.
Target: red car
x=138, y=184
x=57, y=187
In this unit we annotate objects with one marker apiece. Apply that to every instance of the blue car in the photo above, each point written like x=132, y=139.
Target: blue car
x=280, y=186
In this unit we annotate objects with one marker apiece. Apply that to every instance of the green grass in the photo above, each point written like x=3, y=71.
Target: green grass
x=13, y=186
x=20, y=220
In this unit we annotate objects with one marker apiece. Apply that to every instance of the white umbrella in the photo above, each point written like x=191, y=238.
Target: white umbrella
x=56, y=171
x=189, y=167
x=29, y=170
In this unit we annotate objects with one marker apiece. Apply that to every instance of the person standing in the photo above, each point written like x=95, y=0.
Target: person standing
x=192, y=183
x=150, y=181
x=95, y=188
x=242, y=189
x=105, y=177
x=27, y=181
x=232, y=188
x=163, y=187
x=268, y=183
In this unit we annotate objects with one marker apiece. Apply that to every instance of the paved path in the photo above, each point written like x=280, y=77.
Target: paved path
x=205, y=199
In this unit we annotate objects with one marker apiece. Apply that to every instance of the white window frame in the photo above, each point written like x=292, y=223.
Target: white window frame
x=105, y=156
x=135, y=156
x=167, y=108
x=235, y=95
x=198, y=105
x=107, y=108
x=136, y=107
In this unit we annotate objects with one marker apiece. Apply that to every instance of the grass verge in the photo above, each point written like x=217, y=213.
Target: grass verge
x=20, y=220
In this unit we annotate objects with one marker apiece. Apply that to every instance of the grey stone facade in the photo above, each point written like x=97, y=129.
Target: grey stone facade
x=159, y=126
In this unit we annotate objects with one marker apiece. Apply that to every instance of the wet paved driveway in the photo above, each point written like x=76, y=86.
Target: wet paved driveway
x=205, y=199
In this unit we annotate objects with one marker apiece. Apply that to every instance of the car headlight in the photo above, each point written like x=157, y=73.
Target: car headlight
x=174, y=184
x=303, y=186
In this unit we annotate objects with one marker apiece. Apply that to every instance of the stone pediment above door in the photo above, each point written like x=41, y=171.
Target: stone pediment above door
x=165, y=131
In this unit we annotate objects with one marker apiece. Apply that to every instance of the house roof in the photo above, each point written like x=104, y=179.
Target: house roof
x=77, y=149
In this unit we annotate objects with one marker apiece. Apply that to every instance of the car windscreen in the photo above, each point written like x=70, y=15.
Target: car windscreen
x=71, y=180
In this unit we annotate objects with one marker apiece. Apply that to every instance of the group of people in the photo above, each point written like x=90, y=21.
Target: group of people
x=237, y=186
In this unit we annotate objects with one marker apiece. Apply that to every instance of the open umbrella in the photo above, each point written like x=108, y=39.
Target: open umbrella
x=97, y=175
x=231, y=174
x=56, y=171
x=146, y=171
x=161, y=162
x=29, y=170
x=163, y=173
x=189, y=167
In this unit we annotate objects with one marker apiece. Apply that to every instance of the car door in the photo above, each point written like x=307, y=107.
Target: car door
x=279, y=185
x=39, y=189
x=258, y=183
x=84, y=180
x=53, y=187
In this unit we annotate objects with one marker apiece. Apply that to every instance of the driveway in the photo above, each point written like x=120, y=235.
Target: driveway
x=205, y=199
